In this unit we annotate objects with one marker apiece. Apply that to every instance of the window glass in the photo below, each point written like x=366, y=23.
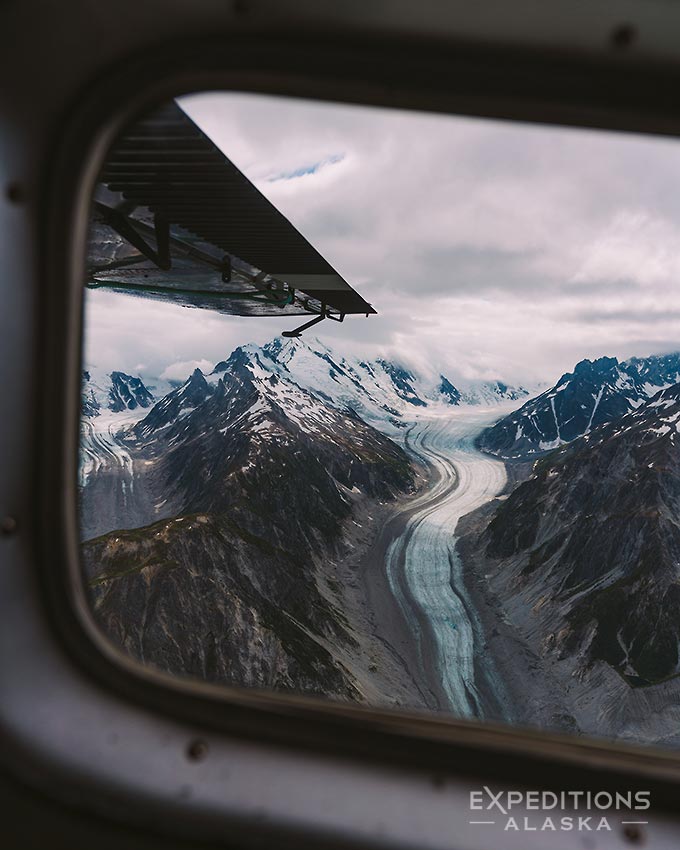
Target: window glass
x=383, y=407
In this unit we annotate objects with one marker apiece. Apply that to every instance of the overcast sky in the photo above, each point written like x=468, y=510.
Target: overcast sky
x=489, y=249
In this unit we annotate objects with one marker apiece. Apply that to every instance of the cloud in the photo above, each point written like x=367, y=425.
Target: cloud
x=181, y=370
x=488, y=248
x=634, y=243
x=126, y=332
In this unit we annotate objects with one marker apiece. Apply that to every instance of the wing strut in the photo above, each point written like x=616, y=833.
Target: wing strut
x=324, y=314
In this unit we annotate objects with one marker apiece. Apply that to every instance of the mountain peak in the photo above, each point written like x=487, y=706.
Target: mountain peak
x=196, y=381
x=595, y=393
x=115, y=391
x=448, y=391
x=193, y=392
x=128, y=392
x=599, y=365
x=381, y=391
x=283, y=350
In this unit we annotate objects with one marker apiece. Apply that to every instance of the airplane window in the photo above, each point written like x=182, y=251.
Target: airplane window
x=384, y=407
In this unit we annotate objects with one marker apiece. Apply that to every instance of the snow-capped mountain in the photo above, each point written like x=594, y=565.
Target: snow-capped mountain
x=211, y=527
x=244, y=412
x=586, y=551
x=111, y=402
x=113, y=391
x=596, y=392
x=177, y=403
x=305, y=382
x=381, y=392
x=212, y=515
x=487, y=393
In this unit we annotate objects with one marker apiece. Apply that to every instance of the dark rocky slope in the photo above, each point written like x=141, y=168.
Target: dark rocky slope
x=585, y=554
x=259, y=481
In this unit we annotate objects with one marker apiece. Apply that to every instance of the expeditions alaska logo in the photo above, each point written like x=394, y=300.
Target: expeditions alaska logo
x=566, y=811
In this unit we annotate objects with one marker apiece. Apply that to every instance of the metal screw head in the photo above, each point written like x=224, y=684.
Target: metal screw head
x=8, y=525
x=633, y=833
x=623, y=36
x=14, y=193
x=197, y=750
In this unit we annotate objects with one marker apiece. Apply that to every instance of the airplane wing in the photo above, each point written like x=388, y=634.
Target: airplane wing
x=174, y=218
